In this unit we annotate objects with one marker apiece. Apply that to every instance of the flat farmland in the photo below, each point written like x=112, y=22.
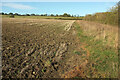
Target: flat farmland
x=50, y=48
x=35, y=47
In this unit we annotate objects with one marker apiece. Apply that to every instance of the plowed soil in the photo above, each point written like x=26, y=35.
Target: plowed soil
x=49, y=48
x=40, y=48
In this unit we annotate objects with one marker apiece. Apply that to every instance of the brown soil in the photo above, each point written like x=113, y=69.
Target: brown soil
x=41, y=48
x=45, y=48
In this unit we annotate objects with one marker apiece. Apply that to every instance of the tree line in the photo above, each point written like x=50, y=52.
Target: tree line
x=109, y=17
x=55, y=15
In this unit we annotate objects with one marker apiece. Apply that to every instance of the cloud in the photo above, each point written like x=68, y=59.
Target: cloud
x=17, y=6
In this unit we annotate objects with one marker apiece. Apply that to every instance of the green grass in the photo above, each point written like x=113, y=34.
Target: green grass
x=44, y=69
x=54, y=53
x=77, y=52
x=104, y=58
x=77, y=77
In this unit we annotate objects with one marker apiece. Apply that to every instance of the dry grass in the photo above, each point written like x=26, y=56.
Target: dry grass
x=107, y=33
x=102, y=43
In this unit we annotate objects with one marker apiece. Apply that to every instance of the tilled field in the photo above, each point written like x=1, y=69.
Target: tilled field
x=40, y=48
x=49, y=48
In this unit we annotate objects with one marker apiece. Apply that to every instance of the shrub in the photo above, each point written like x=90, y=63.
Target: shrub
x=109, y=17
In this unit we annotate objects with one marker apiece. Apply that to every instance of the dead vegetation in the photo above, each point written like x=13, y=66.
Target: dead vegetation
x=107, y=33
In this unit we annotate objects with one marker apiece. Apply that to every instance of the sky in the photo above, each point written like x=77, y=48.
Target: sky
x=59, y=0
x=73, y=8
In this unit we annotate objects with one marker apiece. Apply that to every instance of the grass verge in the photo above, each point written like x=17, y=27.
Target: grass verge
x=103, y=61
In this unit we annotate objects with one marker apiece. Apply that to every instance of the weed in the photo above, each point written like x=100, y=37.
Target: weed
x=77, y=52
x=47, y=63
x=54, y=53
x=76, y=77
x=44, y=69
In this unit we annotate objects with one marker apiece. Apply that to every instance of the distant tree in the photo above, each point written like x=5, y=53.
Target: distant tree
x=51, y=15
x=2, y=13
x=5, y=14
x=61, y=15
x=45, y=14
x=19, y=14
x=41, y=15
x=74, y=15
x=10, y=13
x=23, y=15
x=32, y=14
x=66, y=15
x=27, y=14
x=57, y=15
x=16, y=14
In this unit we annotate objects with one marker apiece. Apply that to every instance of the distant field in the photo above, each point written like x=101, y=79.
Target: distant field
x=46, y=17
